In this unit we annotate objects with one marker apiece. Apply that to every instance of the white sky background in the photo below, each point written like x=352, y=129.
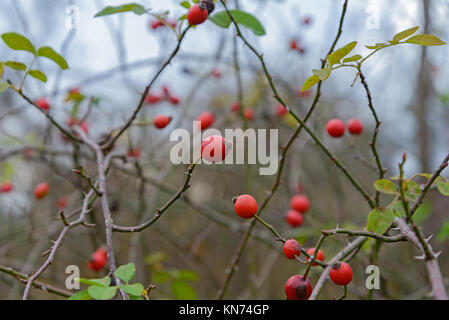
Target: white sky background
x=391, y=74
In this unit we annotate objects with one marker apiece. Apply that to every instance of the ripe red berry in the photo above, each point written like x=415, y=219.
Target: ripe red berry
x=341, y=273
x=235, y=107
x=216, y=73
x=206, y=119
x=291, y=248
x=294, y=44
x=281, y=110
x=62, y=202
x=43, y=104
x=6, y=187
x=161, y=121
x=156, y=24
x=248, y=114
x=166, y=90
x=152, y=98
x=355, y=126
x=196, y=15
x=245, y=206
x=134, y=153
x=213, y=149
x=98, y=259
x=83, y=125
x=294, y=218
x=173, y=100
x=300, y=203
x=335, y=128
x=296, y=288
x=319, y=255
x=41, y=190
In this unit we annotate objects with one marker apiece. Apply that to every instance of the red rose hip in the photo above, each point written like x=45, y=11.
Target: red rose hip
x=206, y=119
x=161, y=121
x=355, y=127
x=197, y=15
x=335, y=128
x=294, y=218
x=41, y=190
x=319, y=255
x=43, y=104
x=296, y=288
x=291, y=248
x=214, y=149
x=300, y=203
x=341, y=273
x=245, y=206
x=6, y=187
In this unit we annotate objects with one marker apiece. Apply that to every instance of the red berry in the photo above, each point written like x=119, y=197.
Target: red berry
x=98, y=259
x=156, y=24
x=83, y=125
x=335, y=128
x=235, y=107
x=355, y=126
x=134, y=153
x=306, y=20
x=304, y=94
x=152, y=98
x=281, y=110
x=173, y=100
x=213, y=149
x=296, y=288
x=62, y=202
x=341, y=273
x=245, y=206
x=166, y=90
x=216, y=73
x=294, y=44
x=196, y=15
x=319, y=255
x=300, y=203
x=41, y=190
x=206, y=119
x=161, y=121
x=248, y=114
x=75, y=91
x=6, y=187
x=291, y=248
x=294, y=218
x=43, y=104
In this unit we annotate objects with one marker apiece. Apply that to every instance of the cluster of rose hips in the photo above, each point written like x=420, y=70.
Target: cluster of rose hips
x=248, y=113
x=165, y=95
x=98, y=259
x=336, y=127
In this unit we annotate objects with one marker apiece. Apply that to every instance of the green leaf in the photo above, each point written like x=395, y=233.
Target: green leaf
x=339, y=54
x=385, y=186
x=377, y=46
x=16, y=65
x=185, y=4
x=103, y=282
x=422, y=213
x=126, y=272
x=398, y=208
x=133, y=289
x=443, y=234
x=221, y=19
x=18, y=42
x=379, y=220
x=82, y=295
x=443, y=186
x=186, y=275
x=39, y=75
x=404, y=34
x=3, y=87
x=425, y=40
x=51, y=54
x=245, y=19
x=183, y=291
x=136, y=298
x=353, y=58
x=102, y=293
x=161, y=276
x=2, y=69
x=130, y=7
x=322, y=74
x=412, y=190
x=310, y=82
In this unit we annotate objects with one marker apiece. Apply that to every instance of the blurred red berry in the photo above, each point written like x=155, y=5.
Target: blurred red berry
x=173, y=100
x=281, y=110
x=216, y=73
x=41, y=190
x=300, y=203
x=294, y=218
x=235, y=107
x=43, y=104
x=98, y=259
x=161, y=121
x=134, y=153
x=319, y=255
x=206, y=119
x=355, y=126
x=213, y=149
x=248, y=114
x=6, y=187
x=62, y=202
x=152, y=98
